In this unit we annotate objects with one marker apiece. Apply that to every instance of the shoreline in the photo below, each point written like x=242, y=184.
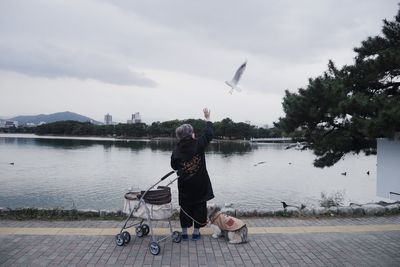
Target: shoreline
x=111, y=138
x=353, y=210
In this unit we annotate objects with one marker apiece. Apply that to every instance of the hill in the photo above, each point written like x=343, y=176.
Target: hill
x=48, y=118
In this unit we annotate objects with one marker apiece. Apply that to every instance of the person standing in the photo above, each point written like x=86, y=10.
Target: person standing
x=194, y=183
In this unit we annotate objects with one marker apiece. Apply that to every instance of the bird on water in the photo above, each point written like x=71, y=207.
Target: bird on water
x=286, y=205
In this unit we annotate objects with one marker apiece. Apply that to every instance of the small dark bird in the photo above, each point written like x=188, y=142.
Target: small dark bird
x=368, y=172
x=286, y=205
x=11, y=163
x=258, y=163
x=290, y=146
x=344, y=173
x=289, y=163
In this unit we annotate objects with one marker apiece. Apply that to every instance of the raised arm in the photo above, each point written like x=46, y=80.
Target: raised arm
x=208, y=132
x=206, y=112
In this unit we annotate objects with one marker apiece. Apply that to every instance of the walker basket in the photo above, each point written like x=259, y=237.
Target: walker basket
x=155, y=205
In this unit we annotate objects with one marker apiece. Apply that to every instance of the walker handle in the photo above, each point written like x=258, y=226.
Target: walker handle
x=168, y=174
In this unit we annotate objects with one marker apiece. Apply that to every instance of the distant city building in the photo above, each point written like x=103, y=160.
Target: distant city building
x=107, y=119
x=9, y=124
x=136, y=118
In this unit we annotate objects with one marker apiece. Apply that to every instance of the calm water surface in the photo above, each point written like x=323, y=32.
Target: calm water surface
x=95, y=173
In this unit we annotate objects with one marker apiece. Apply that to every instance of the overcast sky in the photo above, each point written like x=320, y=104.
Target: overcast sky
x=169, y=59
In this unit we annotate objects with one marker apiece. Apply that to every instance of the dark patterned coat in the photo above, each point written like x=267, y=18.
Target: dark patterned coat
x=188, y=158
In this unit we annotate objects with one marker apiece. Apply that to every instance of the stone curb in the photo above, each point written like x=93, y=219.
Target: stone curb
x=369, y=209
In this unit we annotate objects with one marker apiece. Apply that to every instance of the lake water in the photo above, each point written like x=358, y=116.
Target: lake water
x=95, y=173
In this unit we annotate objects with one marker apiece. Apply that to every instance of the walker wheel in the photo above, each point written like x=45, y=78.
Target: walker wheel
x=139, y=231
x=119, y=239
x=127, y=237
x=145, y=229
x=154, y=248
x=176, y=237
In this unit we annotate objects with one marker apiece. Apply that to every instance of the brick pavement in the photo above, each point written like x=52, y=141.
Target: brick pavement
x=370, y=247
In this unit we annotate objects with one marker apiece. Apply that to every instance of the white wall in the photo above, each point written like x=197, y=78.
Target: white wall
x=388, y=169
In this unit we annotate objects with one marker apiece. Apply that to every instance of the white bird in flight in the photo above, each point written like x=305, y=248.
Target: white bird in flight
x=235, y=80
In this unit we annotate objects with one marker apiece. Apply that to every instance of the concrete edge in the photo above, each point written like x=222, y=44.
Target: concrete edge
x=65, y=231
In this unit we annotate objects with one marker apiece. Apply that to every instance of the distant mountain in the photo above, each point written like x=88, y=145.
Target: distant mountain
x=47, y=118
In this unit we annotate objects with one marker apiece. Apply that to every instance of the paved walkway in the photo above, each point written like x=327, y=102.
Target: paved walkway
x=368, y=241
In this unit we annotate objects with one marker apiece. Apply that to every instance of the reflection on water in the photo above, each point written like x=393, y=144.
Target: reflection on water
x=51, y=172
x=225, y=148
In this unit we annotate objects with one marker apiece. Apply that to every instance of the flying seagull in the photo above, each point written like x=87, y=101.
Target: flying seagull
x=235, y=80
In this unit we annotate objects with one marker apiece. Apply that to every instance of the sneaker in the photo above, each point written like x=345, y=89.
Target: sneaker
x=185, y=237
x=195, y=237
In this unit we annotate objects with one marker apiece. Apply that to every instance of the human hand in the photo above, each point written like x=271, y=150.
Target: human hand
x=206, y=112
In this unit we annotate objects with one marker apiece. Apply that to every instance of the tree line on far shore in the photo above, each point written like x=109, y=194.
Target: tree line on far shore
x=225, y=129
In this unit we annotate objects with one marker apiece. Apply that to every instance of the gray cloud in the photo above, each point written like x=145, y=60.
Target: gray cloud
x=286, y=42
x=113, y=40
x=53, y=45
x=272, y=29
x=51, y=61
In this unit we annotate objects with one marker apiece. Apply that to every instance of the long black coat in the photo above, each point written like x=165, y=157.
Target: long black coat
x=188, y=158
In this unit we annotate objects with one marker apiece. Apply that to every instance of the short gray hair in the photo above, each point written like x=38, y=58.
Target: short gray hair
x=184, y=131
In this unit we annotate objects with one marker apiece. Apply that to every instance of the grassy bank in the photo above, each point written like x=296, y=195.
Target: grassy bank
x=372, y=209
x=59, y=214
